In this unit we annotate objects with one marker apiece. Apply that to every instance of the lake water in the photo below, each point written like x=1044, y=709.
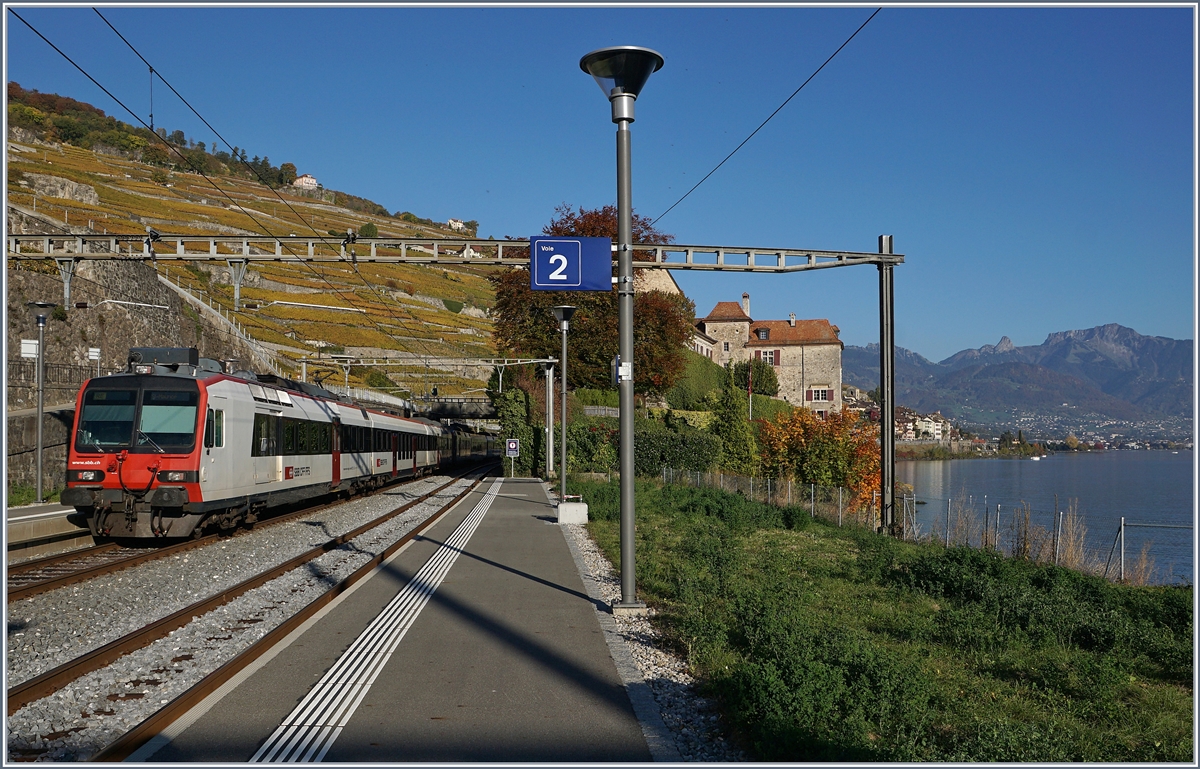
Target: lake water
x=1146, y=487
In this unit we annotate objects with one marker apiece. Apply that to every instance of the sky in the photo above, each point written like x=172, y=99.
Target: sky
x=1035, y=165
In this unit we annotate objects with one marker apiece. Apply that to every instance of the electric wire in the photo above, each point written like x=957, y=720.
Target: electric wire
x=773, y=114
x=256, y=173
x=193, y=166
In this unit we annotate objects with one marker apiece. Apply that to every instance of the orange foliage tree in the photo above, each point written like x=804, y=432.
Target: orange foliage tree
x=835, y=451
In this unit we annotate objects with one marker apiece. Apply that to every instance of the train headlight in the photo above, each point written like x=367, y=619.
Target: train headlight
x=87, y=475
x=173, y=476
x=143, y=369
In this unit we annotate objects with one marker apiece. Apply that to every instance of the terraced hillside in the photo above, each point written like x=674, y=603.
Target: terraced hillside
x=410, y=311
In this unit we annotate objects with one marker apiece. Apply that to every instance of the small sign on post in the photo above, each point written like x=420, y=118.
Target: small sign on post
x=512, y=450
x=29, y=348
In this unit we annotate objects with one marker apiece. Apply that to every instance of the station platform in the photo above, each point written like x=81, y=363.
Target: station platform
x=478, y=641
x=34, y=530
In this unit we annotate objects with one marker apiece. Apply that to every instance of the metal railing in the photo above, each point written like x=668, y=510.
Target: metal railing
x=1120, y=540
x=224, y=317
x=22, y=371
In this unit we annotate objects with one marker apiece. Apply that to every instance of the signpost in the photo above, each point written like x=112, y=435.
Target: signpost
x=570, y=264
x=512, y=450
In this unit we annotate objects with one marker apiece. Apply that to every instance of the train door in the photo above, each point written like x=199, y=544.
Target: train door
x=265, y=448
x=214, y=462
x=413, y=439
x=395, y=441
x=336, y=446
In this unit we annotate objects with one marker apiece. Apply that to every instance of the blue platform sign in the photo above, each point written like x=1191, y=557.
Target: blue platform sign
x=570, y=264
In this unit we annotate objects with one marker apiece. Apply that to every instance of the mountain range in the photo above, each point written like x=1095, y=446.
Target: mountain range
x=1108, y=372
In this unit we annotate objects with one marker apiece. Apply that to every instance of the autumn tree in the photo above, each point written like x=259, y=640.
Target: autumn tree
x=525, y=325
x=838, y=450
x=287, y=173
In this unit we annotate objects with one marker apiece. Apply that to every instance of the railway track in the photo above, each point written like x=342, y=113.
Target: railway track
x=50, y=681
x=29, y=578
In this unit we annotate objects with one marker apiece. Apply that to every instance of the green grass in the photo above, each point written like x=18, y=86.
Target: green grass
x=828, y=644
x=19, y=494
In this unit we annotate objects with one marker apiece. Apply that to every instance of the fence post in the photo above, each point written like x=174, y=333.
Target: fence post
x=1122, y=532
x=839, y=507
x=789, y=492
x=947, y=523
x=997, y=543
x=812, y=490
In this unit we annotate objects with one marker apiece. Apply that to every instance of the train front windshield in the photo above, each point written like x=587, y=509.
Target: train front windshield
x=149, y=419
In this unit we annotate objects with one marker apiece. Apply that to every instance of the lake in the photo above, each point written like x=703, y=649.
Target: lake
x=1146, y=487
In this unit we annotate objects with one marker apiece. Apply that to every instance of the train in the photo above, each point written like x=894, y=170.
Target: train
x=177, y=445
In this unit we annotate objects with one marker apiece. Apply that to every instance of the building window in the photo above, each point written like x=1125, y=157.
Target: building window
x=727, y=347
x=817, y=395
x=768, y=357
x=764, y=333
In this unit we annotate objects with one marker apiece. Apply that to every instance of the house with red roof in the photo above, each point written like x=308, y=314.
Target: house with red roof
x=806, y=354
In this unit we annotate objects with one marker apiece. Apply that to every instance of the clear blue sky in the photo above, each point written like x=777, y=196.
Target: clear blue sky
x=1035, y=165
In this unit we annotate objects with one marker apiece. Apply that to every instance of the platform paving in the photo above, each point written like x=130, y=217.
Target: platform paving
x=506, y=660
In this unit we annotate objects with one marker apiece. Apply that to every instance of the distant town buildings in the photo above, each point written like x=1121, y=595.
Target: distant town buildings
x=806, y=354
x=306, y=181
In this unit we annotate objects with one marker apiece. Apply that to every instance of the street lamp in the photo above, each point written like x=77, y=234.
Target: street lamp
x=563, y=313
x=622, y=72
x=548, y=370
x=40, y=312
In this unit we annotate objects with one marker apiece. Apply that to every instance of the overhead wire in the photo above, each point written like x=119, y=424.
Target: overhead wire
x=200, y=171
x=773, y=114
x=255, y=171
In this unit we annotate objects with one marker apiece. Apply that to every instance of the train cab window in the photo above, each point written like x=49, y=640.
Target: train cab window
x=168, y=419
x=214, y=429
x=106, y=422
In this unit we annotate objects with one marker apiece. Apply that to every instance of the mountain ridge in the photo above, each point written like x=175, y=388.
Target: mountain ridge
x=1108, y=372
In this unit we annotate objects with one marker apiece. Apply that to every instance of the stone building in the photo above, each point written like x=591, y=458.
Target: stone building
x=806, y=354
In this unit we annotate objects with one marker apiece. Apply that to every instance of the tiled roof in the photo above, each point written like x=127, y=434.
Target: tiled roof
x=781, y=332
x=727, y=311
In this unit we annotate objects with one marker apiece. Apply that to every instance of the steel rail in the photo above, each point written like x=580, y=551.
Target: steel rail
x=90, y=572
x=52, y=680
x=130, y=741
x=52, y=560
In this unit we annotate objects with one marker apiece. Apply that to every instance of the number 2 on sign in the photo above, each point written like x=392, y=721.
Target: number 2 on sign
x=562, y=266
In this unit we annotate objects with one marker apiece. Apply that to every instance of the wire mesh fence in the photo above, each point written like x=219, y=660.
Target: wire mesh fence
x=1018, y=531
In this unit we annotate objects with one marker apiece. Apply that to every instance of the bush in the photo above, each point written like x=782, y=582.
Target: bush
x=586, y=397
x=452, y=306
x=593, y=445
x=368, y=230
x=700, y=377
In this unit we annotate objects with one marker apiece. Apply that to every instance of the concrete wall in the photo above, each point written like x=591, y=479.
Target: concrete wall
x=22, y=447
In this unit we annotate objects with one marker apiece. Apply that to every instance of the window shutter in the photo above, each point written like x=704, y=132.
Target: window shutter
x=758, y=354
x=808, y=395
x=778, y=357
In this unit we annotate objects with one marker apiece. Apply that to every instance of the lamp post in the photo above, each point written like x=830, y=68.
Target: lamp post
x=548, y=370
x=40, y=312
x=563, y=313
x=622, y=72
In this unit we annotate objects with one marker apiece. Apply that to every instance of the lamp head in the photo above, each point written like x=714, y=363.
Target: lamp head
x=621, y=69
x=563, y=313
x=40, y=311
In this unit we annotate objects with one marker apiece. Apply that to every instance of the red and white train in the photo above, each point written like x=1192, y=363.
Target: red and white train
x=175, y=446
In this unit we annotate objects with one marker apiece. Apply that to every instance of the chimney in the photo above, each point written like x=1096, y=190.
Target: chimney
x=746, y=304
x=792, y=319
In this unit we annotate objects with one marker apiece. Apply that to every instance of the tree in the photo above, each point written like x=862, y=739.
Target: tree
x=838, y=450
x=730, y=423
x=525, y=325
x=155, y=155
x=176, y=138
x=765, y=381
x=368, y=230
x=287, y=175
x=1072, y=442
